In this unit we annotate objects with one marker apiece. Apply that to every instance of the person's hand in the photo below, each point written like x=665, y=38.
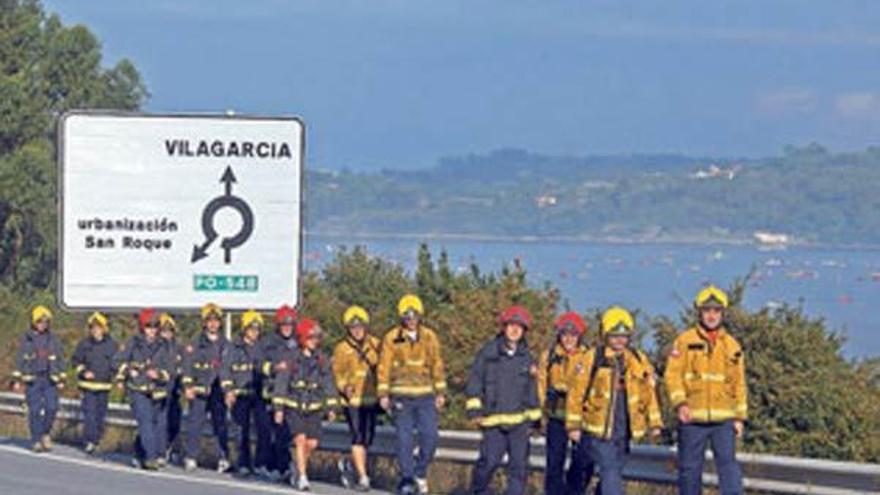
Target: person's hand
x=152, y=374
x=574, y=436
x=230, y=399
x=120, y=385
x=655, y=434
x=133, y=373
x=476, y=421
x=440, y=401
x=279, y=417
x=17, y=387
x=88, y=375
x=190, y=393
x=385, y=403
x=684, y=414
x=59, y=385
x=280, y=366
x=739, y=428
x=348, y=391
x=331, y=416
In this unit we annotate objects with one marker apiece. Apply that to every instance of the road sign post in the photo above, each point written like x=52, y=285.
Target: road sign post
x=174, y=211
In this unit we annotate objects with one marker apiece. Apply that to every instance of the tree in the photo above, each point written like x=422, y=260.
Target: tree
x=45, y=69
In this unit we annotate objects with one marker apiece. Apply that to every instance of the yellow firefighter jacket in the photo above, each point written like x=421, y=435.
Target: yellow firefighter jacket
x=709, y=378
x=410, y=368
x=354, y=366
x=553, y=376
x=590, y=403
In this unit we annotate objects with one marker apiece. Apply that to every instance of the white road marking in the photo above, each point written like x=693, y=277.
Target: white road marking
x=154, y=474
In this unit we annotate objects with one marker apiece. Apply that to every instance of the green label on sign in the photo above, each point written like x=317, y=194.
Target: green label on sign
x=226, y=283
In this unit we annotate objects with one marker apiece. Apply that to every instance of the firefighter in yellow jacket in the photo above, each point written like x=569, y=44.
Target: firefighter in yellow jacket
x=354, y=361
x=705, y=378
x=612, y=398
x=556, y=366
x=412, y=387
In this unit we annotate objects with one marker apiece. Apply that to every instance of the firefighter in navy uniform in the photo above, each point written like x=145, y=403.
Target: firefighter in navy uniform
x=304, y=392
x=556, y=366
x=354, y=368
x=168, y=332
x=279, y=346
x=143, y=369
x=93, y=362
x=40, y=371
x=613, y=399
x=242, y=383
x=502, y=399
x=202, y=365
x=706, y=381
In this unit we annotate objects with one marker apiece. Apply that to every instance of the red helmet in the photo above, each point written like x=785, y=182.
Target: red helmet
x=516, y=314
x=305, y=328
x=148, y=316
x=569, y=322
x=285, y=314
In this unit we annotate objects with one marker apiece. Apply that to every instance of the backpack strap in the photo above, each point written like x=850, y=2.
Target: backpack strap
x=600, y=357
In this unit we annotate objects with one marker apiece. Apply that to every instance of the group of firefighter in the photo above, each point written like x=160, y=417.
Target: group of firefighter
x=589, y=402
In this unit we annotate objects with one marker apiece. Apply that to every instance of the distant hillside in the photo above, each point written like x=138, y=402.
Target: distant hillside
x=809, y=193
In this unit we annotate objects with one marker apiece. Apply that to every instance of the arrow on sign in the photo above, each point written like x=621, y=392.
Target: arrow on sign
x=228, y=179
x=200, y=252
x=227, y=200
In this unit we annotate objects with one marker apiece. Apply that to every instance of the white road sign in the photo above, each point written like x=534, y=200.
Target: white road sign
x=173, y=211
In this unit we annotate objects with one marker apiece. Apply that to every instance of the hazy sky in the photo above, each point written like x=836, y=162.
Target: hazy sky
x=399, y=83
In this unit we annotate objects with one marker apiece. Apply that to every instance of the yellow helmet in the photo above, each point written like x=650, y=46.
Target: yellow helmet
x=39, y=313
x=410, y=303
x=251, y=317
x=710, y=297
x=97, y=318
x=165, y=320
x=617, y=321
x=355, y=315
x=211, y=310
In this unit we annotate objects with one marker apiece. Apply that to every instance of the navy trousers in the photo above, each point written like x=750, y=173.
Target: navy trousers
x=692, y=439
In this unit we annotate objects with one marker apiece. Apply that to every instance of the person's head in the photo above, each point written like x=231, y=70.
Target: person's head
x=570, y=328
x=251, y=325
x=410, y=309
x=211, y=318
x=285, y=321
x=167, y=327
x=711, y=304
x=97, y=324
x=309, y=334
x=357, y=321
x=617, y=327
x=41, y=318
x=148, y=321
x=514, y=322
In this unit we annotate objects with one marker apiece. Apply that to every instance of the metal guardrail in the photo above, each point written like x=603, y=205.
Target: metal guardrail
x=653, y=464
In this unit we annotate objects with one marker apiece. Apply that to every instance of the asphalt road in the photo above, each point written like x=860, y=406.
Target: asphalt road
x=67, y=471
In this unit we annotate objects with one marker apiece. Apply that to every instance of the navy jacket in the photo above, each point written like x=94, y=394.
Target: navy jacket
x=501, y=387
x=203, y=363
x=39, y=356
x=98, y=357
x=137, y=358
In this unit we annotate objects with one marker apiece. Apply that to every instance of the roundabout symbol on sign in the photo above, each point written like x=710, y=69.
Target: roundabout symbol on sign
x=226, y=200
